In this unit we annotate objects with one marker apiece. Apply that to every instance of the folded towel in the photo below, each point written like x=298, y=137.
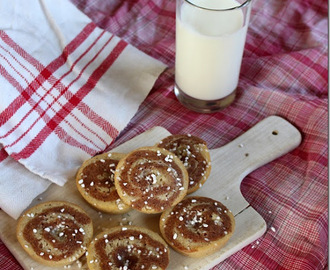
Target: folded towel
x=67, y=89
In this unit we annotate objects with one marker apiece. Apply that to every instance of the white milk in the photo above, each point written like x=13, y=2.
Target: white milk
x=209, y=49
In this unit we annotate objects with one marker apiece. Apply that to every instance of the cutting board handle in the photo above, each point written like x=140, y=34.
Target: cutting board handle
x=264, y=142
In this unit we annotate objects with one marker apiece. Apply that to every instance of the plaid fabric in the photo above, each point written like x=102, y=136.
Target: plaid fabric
x=284, y=72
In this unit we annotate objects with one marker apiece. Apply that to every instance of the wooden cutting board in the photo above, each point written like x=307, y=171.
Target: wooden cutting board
x=266, y=141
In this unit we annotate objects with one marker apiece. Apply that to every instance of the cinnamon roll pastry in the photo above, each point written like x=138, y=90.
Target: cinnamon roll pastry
x=55, y=233
x=194, y=154
x=197, y=226
x=151, y=179
x=95, y=182
x=128, y=247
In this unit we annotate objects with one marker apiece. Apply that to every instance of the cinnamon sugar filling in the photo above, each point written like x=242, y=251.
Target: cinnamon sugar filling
x=152, y=179
x=197, y=221
x=56, y=233
x=97, y=179
x=188, y=149
x=130, y=249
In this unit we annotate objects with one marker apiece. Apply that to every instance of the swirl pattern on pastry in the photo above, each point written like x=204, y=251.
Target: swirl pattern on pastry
x=151, y=179
x=95, y=182
x=55, y=233
x=128, y=247
x=197, y=226
x=194, y=154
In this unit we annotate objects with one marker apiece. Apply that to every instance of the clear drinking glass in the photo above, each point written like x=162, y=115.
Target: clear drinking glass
x=210, y=39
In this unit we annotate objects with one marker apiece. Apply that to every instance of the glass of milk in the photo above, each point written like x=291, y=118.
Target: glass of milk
x=210, y=38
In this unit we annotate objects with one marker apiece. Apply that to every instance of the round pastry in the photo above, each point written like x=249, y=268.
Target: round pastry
x=128, y=247
x=197, y=226
x=151, y=179
x=194, y=154
x=55, y=233
x=95, y=182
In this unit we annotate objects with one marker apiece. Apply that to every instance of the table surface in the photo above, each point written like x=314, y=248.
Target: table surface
x=284, y=72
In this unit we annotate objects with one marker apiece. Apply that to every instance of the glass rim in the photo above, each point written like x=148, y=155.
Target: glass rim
x=246, y=2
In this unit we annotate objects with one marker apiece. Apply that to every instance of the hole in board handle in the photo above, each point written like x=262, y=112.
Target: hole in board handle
x=275, y=132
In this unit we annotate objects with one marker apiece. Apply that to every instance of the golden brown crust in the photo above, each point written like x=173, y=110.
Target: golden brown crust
x=95, y=183
x=55, y=233
x=194, y=154
x=151, y=179
x=197, y=226
x=128, y=247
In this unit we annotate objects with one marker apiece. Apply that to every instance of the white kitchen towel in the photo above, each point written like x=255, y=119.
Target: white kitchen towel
x=67, y=89
x=18, y=186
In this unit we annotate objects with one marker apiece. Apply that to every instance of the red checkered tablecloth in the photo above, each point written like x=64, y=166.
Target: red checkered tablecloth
x=284, y=72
